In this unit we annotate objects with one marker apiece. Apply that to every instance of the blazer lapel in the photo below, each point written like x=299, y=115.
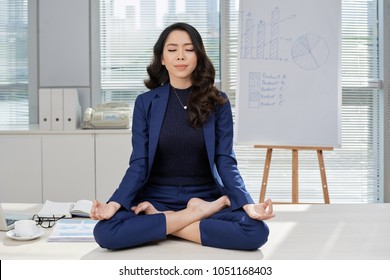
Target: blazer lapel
x=157, y=112
x=209, y=137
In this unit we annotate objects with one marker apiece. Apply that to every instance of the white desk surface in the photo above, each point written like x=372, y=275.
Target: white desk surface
x=301, y=232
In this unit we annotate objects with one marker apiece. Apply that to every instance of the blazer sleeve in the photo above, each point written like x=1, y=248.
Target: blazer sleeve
x=225, y=160
x=137, y=171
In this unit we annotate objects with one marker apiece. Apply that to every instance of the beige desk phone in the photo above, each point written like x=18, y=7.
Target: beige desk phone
x=107, y=115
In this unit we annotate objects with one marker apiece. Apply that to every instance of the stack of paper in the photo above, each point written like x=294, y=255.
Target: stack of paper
x=73, y=230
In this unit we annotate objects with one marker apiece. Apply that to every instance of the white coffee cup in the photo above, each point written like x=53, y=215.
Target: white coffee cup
x=25, y=228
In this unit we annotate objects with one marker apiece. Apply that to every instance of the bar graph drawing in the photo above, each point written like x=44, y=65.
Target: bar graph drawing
x=261, y=39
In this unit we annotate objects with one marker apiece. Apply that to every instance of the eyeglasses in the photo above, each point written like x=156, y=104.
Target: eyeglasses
x=46, y=222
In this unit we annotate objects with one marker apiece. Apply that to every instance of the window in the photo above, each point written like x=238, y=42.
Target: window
x=129, y=30
x=13, y=62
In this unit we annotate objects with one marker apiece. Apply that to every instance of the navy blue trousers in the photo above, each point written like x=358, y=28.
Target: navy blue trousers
x=226, y=229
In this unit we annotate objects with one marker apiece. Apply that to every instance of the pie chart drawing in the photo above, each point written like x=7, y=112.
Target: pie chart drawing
x=310, y=51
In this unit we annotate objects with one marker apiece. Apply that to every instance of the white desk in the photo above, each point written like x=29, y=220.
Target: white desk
x=302, y=232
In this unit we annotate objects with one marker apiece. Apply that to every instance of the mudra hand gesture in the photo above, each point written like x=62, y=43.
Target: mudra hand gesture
x=103, y=211
x=260, y=211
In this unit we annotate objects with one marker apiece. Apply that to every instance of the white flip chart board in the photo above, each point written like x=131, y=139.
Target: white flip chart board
x=289, y=77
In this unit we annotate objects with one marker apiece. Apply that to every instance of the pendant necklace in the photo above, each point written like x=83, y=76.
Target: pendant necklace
x=184, y=106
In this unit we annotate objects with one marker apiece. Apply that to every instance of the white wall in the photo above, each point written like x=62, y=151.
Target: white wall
x=64, y=44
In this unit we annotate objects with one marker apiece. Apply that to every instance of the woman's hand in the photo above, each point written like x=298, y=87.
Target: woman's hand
x=145, y=207
x=260, y=211
x=103, y=211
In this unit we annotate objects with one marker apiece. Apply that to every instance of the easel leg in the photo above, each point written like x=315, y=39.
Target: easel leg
x=295, y=176
x=265, y=175
x=323, y=176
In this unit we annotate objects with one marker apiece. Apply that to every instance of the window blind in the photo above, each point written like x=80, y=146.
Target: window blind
x=128, y=31
x=13, y=62
x=386, y=85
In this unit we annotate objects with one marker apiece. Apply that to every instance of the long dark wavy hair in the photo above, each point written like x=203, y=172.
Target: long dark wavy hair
x=204, y=97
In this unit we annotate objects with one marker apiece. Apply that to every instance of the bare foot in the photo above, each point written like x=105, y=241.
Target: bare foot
x=206, y=209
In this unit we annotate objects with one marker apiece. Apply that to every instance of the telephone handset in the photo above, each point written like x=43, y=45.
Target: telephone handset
x=107, y=115
x=88, y=115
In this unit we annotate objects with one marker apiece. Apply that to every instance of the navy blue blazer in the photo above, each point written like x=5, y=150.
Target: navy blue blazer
x=148, y=115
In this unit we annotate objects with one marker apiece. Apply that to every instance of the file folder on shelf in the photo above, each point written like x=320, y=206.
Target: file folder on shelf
x=72, y=109
x=45, y=108
x=57, y=109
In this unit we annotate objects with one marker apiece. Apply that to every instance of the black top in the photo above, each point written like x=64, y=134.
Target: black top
x=181, y=156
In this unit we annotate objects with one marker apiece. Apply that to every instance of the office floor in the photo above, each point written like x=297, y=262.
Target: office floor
x=301, y=232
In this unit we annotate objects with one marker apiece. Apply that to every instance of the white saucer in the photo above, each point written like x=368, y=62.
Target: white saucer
x=11, y=234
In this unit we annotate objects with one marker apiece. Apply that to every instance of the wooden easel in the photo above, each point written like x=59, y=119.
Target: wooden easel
x=294, y=170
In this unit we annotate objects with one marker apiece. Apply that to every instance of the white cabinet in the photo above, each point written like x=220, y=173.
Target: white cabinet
x=20, y=169
x=68, y=164
x=112, y=160
x=62, y=166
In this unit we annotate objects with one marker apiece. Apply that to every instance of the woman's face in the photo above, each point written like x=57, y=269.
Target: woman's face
x=179, y=58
